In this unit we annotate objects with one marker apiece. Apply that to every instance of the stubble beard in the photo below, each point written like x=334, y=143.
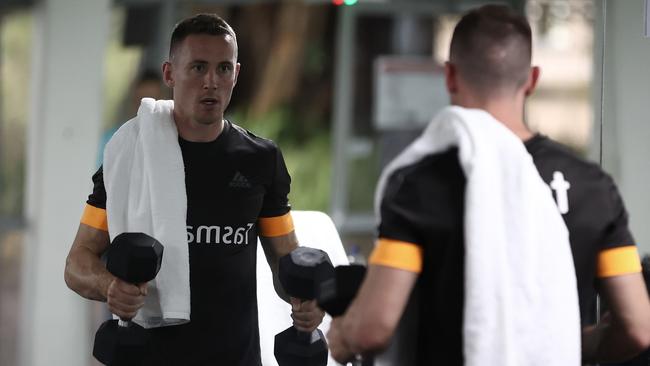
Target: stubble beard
x=209, y=120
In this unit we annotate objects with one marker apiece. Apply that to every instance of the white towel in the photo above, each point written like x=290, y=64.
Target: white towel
x=521, y=302
x=144, y=178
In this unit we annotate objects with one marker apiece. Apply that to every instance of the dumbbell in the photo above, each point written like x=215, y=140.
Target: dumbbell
x=133, y=258
x=336, y=290
x=298, y=276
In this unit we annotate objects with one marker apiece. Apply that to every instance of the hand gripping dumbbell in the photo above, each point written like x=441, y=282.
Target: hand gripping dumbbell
x=297, y=272
x=133, y=258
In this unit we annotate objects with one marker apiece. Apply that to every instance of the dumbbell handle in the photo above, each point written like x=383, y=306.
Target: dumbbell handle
x=121, y=322
x=358, y=361
x=307, y=337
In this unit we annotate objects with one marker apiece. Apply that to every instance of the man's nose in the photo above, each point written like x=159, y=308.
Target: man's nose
x=210, y=80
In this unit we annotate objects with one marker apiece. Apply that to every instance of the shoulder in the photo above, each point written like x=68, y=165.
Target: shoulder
x=423, y=198
x=550, y=156
x=435, y=176
x=544, y=148
x=253, y=142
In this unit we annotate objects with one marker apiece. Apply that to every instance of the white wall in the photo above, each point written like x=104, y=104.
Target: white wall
x=626, y=132
x=66, y=110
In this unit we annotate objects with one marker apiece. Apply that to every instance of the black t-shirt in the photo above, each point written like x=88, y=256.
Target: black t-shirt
x=231, y=182
x=423, y=204
x=592, y=209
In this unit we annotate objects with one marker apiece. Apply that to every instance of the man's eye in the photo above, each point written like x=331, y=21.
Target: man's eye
x=225, y=68
x=198, y=67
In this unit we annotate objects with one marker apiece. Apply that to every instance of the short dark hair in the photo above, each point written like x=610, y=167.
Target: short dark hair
x=211, y=24
x=491, y=48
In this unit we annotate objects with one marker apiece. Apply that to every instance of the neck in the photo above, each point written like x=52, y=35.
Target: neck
x=194, y=131
x=505, y=110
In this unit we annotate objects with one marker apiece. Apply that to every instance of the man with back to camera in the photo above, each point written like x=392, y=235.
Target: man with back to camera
x=236, y=185
x=605, y=256
x=490, y=69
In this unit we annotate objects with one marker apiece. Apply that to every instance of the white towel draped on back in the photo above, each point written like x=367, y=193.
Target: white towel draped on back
x=521, y=302
x=144, y=178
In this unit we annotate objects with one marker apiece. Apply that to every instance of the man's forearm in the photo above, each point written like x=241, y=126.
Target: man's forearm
x=86, y=275
x=607, y=343
x=274, y=248
x=278, y=286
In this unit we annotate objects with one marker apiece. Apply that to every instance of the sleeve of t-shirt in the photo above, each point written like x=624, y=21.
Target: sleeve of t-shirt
x=94, y=214
x=275, y=218
x=398, y=244
x=618, y=253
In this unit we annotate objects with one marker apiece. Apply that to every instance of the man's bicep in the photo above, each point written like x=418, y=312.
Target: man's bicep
x=383, y=296
x=93, y=230
x=277, y=235
x=627, y=298
x=84, y=272
x=277, y=246
x=391, y=285
x=91, y=239
x=274, y=248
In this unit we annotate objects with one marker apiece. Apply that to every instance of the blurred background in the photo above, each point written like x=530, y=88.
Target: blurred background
x=340, y=85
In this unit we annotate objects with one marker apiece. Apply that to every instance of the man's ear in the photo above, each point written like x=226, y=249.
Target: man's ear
x=167, y=74
x=533, y=78
x=237, y=68
x=451, y=78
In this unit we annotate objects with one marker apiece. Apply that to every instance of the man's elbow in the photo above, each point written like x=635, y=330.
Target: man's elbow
x=639, y=336
x=374, y=342
x=67, y=274
x=70, y=275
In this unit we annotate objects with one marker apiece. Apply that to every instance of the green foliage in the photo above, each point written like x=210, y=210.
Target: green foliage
x=364, y=174
x=304, y=137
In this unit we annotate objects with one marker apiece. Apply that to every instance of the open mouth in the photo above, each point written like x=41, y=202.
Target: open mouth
x=209, y=101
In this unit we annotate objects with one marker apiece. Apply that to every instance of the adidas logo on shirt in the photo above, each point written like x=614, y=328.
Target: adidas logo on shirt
x=239, y=181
